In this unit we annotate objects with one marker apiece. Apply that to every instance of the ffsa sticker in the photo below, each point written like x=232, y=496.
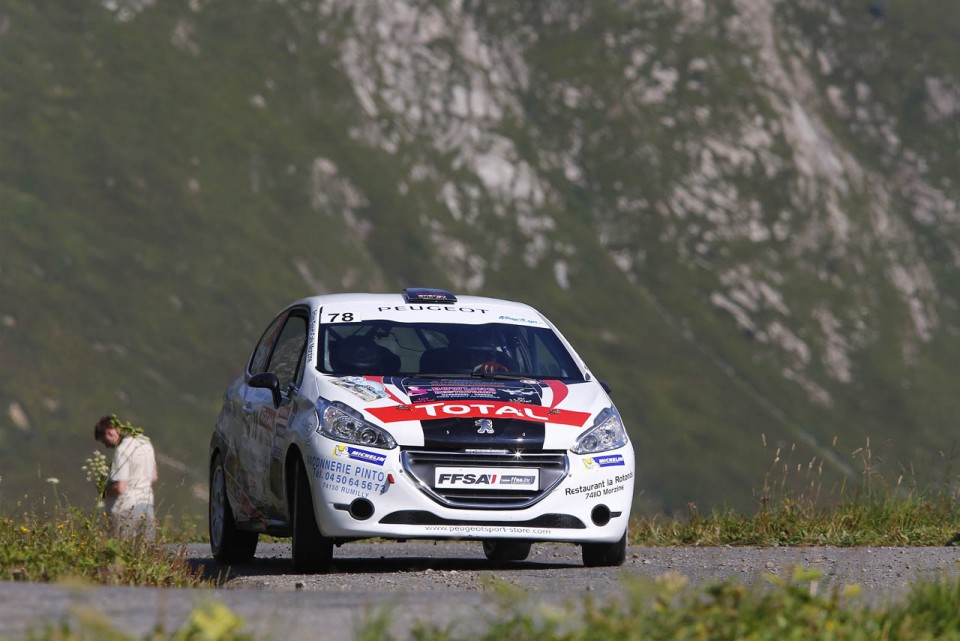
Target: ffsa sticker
x=486, y=478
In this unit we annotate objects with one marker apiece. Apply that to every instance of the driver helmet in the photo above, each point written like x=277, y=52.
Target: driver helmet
x=481, y=345
x=355, y=355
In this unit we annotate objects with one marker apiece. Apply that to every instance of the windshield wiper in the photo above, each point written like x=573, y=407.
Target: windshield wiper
x=500, y=376
x=425, y=375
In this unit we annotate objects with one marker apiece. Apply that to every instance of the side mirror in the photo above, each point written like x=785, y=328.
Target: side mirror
x=606, y=387
x=267, y=380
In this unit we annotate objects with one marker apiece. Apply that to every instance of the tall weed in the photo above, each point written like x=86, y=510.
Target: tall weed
x=793, y=508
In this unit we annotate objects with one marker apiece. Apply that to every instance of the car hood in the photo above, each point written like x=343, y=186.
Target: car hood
x=457, y=413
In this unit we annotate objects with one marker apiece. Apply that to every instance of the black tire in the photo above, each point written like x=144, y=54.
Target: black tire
x=228, y=543
x=596, y=555
x=499, y=550
x=311, y=551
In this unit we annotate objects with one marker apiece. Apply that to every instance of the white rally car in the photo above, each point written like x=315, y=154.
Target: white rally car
x=421, y=415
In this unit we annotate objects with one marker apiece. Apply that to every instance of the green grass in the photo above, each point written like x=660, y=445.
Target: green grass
x=794, y=509
x=893, y=521
x=70, y=545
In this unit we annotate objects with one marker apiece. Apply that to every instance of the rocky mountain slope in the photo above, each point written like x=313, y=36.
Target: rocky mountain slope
x=744, y=214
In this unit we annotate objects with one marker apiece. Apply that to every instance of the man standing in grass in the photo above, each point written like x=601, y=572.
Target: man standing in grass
x=128, y=496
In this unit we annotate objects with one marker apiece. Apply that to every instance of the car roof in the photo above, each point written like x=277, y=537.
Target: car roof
x=398, y=299
x=406, y=307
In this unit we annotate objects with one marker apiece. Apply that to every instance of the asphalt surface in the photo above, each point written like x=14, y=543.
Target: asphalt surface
x=444, y=583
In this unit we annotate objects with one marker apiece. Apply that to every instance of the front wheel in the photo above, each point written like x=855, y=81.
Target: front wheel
x=311, y=551
x=228, y=543
x=506, y=550
x=597, y=555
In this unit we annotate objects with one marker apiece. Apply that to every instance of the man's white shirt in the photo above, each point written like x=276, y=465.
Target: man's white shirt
x=134, y=464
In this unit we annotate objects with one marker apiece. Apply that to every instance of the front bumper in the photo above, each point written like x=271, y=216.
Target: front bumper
x=363, y=492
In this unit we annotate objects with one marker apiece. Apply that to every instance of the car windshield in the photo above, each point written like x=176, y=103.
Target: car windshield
x=386, y=348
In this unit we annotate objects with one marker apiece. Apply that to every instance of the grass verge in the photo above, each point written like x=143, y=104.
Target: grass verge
x=916, y=520
x=667, y=608
x=69, y=544
x=867, y=509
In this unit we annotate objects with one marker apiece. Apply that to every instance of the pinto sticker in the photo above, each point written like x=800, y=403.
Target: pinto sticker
x=348, y=478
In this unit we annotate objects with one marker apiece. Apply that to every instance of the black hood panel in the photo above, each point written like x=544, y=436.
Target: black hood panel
x=474, y=433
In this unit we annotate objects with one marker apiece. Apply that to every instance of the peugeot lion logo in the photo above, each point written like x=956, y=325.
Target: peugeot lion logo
x=485, y=425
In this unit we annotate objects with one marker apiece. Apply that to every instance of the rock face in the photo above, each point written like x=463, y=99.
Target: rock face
x=741, y=138
x=744, y=212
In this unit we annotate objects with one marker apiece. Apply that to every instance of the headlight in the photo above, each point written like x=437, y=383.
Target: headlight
x=607, y=433
x=341, y=423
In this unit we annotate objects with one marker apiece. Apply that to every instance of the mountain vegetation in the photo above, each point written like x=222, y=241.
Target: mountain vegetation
x=744, y=214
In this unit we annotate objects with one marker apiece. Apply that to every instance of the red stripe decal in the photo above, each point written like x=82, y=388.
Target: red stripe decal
x=478, y=409
x=560, y=391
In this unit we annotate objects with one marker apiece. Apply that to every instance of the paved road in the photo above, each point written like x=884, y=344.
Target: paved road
x=445, y=583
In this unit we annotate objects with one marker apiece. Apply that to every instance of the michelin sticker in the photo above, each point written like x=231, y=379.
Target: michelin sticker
x=359, y=455
x=597, y=462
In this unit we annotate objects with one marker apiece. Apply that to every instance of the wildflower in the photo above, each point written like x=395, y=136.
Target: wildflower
x=97, y=471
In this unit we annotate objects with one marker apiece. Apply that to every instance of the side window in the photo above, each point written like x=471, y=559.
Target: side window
x=548, y=364
x=258, y=363
x=288, y=354
x=552, y=358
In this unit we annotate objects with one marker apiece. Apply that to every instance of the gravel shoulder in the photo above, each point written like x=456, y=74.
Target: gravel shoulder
x=446, y=583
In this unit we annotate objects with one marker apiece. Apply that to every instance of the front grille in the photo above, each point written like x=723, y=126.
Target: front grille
x=419, y=517
x=421, y=465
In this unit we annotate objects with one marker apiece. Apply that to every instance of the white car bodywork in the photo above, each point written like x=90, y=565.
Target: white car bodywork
x=485, y=455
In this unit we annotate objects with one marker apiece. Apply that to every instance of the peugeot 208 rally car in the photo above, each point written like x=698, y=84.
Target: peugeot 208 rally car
x=421, y=415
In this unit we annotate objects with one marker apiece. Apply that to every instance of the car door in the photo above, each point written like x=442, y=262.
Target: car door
x=240, y=429
x=267, y=422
